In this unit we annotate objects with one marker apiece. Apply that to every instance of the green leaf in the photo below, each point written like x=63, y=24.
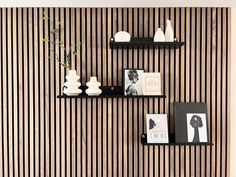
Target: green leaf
x=66, y=64
x=53, y=30
x=58, y=21
x=74, y=52
x=45, y=16
x=78, y=44
x=45, y=39
x=60, y=43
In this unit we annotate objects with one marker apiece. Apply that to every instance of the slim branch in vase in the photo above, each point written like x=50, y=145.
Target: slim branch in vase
x=68, y=52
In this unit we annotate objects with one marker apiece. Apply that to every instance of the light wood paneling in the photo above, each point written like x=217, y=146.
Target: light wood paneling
x=41, y=135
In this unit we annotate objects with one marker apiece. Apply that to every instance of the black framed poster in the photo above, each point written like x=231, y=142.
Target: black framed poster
x=191, y=123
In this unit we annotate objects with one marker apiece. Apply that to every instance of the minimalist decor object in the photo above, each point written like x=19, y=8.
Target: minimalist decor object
x=71, y=86
x=93, y=87
x=157, y=128
x=191, y=122
x=152, y=83
x=169, y=34
x=68, y=51
x=122, y=36
x=133, y=82
x=159, y=36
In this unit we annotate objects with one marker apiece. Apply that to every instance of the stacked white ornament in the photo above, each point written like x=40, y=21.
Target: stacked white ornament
x=93, y=87
x=72, y=84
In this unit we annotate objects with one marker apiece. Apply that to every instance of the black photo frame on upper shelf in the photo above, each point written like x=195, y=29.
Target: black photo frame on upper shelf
x=191, y=123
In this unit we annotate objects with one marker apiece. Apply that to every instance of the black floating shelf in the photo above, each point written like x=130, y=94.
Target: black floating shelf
x=171, y=142
x=136, y=43
x=111, y=96
x=110, y=92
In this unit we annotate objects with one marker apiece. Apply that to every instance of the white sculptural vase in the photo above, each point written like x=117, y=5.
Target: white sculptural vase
x=159, y=36
x=169, y=34
x=71, y=86
x=93, y=87
x=122, y=36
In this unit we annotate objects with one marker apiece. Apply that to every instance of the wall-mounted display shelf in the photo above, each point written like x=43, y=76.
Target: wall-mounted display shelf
x=110, y=92
x=144, y=43
x=171, y=142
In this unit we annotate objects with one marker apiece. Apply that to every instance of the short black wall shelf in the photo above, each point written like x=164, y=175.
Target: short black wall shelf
x=110, y=92
x=171, y=142
x=144, y=43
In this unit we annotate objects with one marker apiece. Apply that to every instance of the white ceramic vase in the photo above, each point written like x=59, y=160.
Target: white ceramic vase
x=159, y=36
x=122, y=36
x=169, y=34
x=93, y=87
x=72, y=84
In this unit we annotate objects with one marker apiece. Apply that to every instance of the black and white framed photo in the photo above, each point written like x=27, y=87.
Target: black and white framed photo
x=191, y=123
x=152, y=83
x=157, y=128
x=133, y=82
x=197, y=130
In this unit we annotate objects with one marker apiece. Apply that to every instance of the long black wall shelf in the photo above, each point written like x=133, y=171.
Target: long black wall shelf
x=110, y=92
x=171, y=142
x=146, y=42
x=111, y=96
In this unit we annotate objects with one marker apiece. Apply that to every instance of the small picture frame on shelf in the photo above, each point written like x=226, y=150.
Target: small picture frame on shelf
x=191, y=123
x=133, y=81
x=152, y=83
x=157, y=128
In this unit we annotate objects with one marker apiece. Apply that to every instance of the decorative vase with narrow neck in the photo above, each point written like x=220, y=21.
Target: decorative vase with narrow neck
x=93, y=87
x=169, y=34
x=71, y=86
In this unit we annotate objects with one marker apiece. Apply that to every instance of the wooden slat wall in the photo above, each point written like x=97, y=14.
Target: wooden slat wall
x=41, y=135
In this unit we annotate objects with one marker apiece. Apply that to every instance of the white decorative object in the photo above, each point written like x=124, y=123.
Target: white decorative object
x=169, y=34
x=152, y=83
x=159, y=36
x=93, y=87
x=122, y=36
x=157, y=129
x=72, y=85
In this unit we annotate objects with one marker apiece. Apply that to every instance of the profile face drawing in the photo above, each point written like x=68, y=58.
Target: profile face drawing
x=133, y=82
x=197, y=131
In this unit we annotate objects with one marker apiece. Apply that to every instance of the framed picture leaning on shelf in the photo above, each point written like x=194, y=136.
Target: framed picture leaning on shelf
x=152, y=83
x=133, y=81
x=157, y=128
x=191, y=124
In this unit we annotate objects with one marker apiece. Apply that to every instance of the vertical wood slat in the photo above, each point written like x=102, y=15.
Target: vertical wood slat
x=44, y=136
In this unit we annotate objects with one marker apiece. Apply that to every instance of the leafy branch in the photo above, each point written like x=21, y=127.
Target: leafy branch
x=68, y=51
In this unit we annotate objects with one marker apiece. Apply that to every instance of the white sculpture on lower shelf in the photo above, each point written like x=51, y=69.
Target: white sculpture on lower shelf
x=93, y=87
x=71, y=86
